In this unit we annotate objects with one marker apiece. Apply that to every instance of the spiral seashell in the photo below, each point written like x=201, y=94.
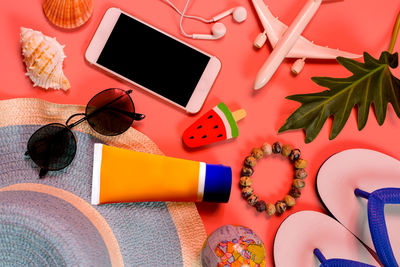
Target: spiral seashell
x=68, y=14
x=43, y=57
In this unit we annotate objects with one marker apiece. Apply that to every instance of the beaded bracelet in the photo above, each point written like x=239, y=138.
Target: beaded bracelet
x=298, y=183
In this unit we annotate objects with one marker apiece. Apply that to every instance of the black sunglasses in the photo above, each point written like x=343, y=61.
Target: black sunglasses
x=53, y=146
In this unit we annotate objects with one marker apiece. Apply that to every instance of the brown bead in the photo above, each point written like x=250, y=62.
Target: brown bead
x=286, y=150
x=276, y=148
x=298, y=183
x=300, y=174
x=247, y=191
x=280, y=206
x=300, y=164
x=247, y=171
x=289, y=200
x=270, y=209
x=245, y=181
x=252, y=200
x=295, y=192
x=257, y=153
x=260, y=206
x=295, y=154
x=266, y=149
x=250, y=161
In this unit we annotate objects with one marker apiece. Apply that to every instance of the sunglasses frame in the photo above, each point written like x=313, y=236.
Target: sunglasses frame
x=135, y=116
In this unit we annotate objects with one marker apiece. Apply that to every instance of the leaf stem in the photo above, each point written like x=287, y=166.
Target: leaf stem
x=394, y=34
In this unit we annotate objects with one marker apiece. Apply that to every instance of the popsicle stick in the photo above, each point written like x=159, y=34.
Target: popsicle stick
x=239, y=114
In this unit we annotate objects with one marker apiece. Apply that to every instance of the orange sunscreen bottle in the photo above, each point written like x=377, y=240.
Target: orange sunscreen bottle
x=122, y=175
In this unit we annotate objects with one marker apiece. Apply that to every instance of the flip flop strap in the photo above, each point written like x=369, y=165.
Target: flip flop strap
x=377, y=223
x=338, y=262
x=343, y=263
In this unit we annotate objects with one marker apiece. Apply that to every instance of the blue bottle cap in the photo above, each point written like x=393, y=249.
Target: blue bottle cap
x=218, y=183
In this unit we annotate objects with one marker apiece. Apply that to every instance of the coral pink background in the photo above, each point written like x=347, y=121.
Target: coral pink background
x=352, y=25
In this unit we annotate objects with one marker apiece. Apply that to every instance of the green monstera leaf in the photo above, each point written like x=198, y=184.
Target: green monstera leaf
x=371, y=83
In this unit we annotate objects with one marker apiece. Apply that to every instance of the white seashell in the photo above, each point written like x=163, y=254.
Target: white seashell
x=43, y=57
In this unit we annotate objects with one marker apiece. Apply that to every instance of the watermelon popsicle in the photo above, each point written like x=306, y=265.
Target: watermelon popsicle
x=216, y=125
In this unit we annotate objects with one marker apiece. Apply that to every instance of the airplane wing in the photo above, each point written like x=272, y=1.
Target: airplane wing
x=303, y=48
x=273, y=27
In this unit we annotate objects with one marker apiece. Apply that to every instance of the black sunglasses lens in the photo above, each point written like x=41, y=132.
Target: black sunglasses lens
x=110, y=112
x=52, y=147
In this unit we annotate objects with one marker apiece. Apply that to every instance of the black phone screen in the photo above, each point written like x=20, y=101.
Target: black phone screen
x=153, y=60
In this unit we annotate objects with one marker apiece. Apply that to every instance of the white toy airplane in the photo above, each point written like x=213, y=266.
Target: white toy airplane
x=287, y=41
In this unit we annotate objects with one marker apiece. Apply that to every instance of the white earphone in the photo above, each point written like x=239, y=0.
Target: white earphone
x=218, y=30
x=239, y=14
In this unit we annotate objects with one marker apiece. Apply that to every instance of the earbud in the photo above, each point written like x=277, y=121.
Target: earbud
x=239, y=14
x=218, y=31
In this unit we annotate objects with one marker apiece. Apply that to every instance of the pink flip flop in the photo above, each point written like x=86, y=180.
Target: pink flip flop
x=361, y=188
x=303, y=232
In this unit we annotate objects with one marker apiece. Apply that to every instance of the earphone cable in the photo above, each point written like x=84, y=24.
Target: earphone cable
x=189, y=16
x=181, y=19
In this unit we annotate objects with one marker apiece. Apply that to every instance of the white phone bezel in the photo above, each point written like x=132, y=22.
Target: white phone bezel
x=101, y=36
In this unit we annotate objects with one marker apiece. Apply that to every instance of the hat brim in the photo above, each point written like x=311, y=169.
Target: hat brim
x=78, y=206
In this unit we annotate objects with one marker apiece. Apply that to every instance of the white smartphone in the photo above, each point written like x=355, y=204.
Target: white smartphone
x=153, y=60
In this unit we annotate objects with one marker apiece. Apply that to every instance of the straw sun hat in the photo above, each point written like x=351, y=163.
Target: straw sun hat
x=48, y=222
